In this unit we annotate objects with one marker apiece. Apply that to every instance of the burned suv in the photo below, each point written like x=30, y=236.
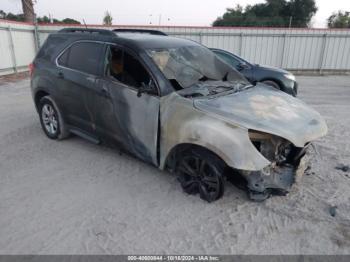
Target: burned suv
x=172, y=103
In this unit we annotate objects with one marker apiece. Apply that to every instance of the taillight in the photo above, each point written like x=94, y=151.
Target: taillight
x=31, y=69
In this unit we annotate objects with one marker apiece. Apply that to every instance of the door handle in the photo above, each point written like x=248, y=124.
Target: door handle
x=60, y=75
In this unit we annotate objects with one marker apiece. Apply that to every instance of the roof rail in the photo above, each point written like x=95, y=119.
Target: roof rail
x=142, y=31
x=87, y=30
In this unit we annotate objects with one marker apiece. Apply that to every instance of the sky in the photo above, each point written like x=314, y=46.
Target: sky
x=165, y=12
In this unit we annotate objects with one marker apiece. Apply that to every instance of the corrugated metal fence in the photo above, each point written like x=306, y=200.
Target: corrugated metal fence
x=316, y=50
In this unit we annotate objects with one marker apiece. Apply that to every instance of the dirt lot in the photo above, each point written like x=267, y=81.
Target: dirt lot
x=74, y=197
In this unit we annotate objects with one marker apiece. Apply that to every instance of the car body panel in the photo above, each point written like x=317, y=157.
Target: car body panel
x=129, y=119
x=181, y=123
x=266, y=109
x=221, y=124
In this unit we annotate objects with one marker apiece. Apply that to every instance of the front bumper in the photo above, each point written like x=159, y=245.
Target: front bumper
x=275, y=179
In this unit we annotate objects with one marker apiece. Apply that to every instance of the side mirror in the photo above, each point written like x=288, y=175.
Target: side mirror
x=243, y=66
x=145, y=88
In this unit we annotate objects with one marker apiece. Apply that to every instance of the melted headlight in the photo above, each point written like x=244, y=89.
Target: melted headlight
x=275, y=149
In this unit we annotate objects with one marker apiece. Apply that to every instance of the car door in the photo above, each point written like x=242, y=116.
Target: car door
x=78, y=68
x=123, y=114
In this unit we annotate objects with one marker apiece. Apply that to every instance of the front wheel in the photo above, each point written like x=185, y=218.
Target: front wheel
x=201, y=172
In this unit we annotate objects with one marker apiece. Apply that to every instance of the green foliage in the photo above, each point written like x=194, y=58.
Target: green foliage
x=44, y=19
x=11, y=16
x=107, y=19
x=277, y=13
x=70, y=21
x=2, y=14
x=339, y=20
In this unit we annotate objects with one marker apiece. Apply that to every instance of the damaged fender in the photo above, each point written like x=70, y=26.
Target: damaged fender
x=183, y=124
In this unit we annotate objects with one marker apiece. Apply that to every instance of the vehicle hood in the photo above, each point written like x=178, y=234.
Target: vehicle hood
x=268, y=110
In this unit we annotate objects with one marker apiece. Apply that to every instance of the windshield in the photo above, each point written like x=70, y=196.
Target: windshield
x=189, y=65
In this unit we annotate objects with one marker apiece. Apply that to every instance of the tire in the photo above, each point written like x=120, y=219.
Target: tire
x=272, y=83
x=200, y=171
x=51, y=119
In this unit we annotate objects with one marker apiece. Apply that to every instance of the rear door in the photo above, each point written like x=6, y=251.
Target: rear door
x=119, y=112
x=79, y=66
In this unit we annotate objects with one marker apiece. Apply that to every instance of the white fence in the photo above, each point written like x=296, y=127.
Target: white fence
x=316, y=50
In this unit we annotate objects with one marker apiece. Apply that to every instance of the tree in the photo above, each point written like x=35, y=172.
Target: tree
x=339, y=20
x=107, y=20
x=2, y=14
x=14, y=17
x=301, y=11
x=271, y=13
x=28, y=10
x=44, y=19
x=70, y=21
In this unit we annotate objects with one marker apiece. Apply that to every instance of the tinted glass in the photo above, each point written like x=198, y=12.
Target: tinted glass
x=126, y=68
x=63, y=59
x=85, y=57
x=51, y=46
x=228, y=59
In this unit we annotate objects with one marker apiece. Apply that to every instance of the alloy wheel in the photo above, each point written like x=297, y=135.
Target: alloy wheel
x=49, y=119
x=198, y=175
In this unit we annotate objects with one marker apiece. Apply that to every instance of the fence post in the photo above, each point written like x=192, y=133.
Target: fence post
x=36, y=36
x=322, y=55
x=200, y=37
x=283, y=49
x=240, y=43
x=12, y=50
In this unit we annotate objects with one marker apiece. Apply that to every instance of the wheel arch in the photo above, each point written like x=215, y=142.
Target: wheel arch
x=39, y=94
x=230, y=144
x=278, y=82
x=170, y=160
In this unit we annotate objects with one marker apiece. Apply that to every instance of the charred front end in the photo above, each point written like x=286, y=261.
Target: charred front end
x=287, y=163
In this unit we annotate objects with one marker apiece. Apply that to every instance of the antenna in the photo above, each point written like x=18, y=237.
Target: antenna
x=84, y=23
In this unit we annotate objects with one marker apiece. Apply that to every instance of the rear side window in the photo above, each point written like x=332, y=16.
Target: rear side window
x=50, y=47
x=84, y=56
x=63, y=59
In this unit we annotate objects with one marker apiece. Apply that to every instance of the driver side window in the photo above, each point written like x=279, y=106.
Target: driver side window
x=125, y=68
x=229, y=59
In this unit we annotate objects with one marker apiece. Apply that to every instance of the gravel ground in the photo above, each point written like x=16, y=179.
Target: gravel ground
x=74, y=197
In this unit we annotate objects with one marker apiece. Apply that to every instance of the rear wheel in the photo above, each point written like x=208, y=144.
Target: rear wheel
x=51, y=119
x=201, y=172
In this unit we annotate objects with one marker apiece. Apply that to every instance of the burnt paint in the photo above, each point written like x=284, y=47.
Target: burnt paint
x=221, y=123
x=268, y=110
x=129, y=119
